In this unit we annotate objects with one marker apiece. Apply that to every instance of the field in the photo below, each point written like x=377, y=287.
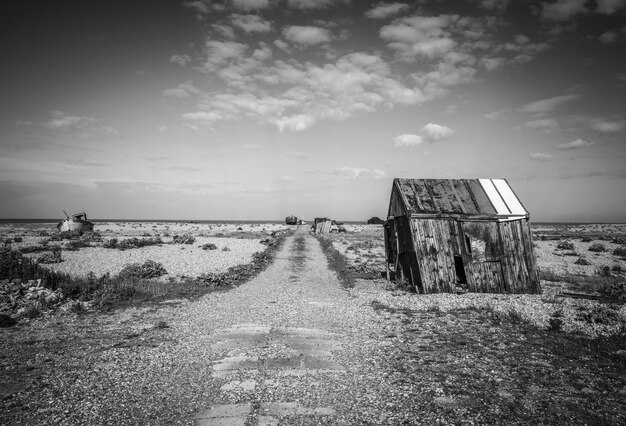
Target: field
x=559, y=249
x=452, y=358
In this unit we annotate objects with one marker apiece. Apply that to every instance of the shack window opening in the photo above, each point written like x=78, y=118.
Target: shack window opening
x=468, y=244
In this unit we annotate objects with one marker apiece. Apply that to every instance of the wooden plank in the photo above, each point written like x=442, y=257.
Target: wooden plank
x=439, y=192
x=420, y=188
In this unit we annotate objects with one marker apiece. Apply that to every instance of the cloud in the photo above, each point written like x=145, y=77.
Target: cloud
x=221, y=52
x=495, y=115
x=314, y=4
x=80, y=126
x=498, y=6
x=307, y=35
x=183, y=91
x=295, y=123
x=355, y=84
x=181, y=60
x=541, y=157
x=163, y=129
x=383, y=10
x=350, y=172
x=251, y=23
x=419, y=36
x=562, y=10
x=408, y=140
x=607, y=126
x=578, y=143
x=609, y=7
x=549, y=104
x=436, y=132
x=248, y=5
x=379, y=174
x=543, y=124
x=297, y=154
x=608, y=37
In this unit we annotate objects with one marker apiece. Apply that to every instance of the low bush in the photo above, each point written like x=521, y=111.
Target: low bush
x=131, y=243
x=565, y=245
x=597, y=247
x=53, y=256
x=225, y=248
x=149, y=269
x=209, y=246
x=183, y=239
x=582, y=261
x=620, y=251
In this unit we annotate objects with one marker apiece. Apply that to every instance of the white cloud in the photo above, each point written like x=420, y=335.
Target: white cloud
x=251, y=23
x=183, y=91
x=610, y=6
x=350, y=172
x=408, y=140
x=498, y=6
x=436, y=132
x=163, y=129
x=295, y=123
x=608, y=37
x=385, y=10
x=578, y=143
x=220, y=52
x=307, y=35
x=491, y=64
x=495, y=115
x=80, y=126
x=607, y=126
x=248, y=5
x=379, y=174
x=314, y=4
x=562, y=10
x=543, y=124
x=547, y=105
x=181, y=60
x=540, y=156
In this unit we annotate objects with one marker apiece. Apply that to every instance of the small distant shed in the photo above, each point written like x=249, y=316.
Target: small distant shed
x=375, y=220
x=443, y=235
x=321, y=225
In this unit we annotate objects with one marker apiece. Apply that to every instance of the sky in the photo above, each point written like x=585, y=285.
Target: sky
x=258, y=109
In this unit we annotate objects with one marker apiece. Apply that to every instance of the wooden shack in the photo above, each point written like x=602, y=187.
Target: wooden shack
x=321, y=225
x=446, y=235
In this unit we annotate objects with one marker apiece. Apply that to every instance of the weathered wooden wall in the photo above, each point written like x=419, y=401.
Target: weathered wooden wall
x=518, y=260
x=435, y=258
x=323, y=227
x=426, y=250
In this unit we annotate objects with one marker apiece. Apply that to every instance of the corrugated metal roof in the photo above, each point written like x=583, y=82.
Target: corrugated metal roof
x=492, y=197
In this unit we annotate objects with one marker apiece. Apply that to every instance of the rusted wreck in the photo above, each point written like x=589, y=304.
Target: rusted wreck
x=450, y=235
x=78, y=222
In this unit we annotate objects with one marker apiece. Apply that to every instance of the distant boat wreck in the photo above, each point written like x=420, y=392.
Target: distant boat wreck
x=293, y=220
x=78, y=222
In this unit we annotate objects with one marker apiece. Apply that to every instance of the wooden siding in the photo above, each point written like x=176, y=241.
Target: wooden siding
x=518, y=257
x=431, y=238
x=396, y=205
x=485, y=277
x=323, y=227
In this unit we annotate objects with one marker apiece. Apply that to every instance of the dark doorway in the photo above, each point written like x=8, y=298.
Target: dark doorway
x=460, y=270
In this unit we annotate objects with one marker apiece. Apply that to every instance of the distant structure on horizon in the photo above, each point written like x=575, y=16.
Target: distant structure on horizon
x=446, y=235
